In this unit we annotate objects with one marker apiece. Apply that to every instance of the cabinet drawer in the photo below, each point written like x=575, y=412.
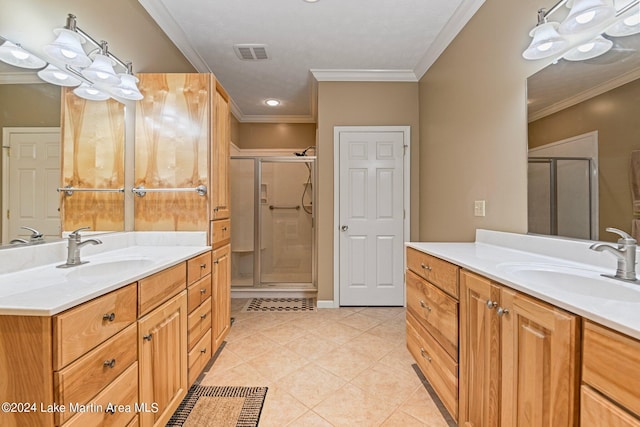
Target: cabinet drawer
x=159, y=287
x=597, y=411
x=198, y=267
x=198, y=293
x=198, y=323
x=123, y=391
x=220, y=232
x=435, y=310
x=611, y=364
x=441, y=273
x=436, y=365
x=86, y=377
x=199, y=356
x=81, y=328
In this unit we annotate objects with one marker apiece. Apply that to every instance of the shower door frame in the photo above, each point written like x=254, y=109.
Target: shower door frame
x=257, y=214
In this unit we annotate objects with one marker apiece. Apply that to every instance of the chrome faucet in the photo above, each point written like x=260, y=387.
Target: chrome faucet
x=625, y=252
x=74, y=246
x=35, y=238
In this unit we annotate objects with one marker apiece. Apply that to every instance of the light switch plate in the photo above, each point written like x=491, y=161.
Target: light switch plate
x=479, y=208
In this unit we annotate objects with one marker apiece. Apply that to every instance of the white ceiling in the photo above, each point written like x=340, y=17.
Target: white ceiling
x=377, y=40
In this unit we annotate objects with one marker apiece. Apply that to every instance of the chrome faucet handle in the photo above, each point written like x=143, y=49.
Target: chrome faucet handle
x=76, y=233
x=35, y=234
x=625, y=238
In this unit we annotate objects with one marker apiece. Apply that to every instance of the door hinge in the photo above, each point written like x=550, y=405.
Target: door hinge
x=405, y=149
x=8, y=214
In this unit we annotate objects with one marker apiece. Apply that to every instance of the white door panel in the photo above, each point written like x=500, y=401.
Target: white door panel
x=371, y=218
x=33, y=176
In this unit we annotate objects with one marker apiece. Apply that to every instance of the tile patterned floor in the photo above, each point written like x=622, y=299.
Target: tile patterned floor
x=333, y=367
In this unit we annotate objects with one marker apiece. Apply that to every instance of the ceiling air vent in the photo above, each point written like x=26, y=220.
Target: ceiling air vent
x=251, y=52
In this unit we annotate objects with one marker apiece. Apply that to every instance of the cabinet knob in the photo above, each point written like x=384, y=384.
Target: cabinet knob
x=203, y=266
x=204, y=350
x=491, y=304
x=147, y=337
x=109, y=316
x=502, y=311
x=203, y=316
x=216, y=262
x=109, y=363
x=216, y=209
x=425, y=267
x=224, y=228
x=425, y=355
x=203, y=291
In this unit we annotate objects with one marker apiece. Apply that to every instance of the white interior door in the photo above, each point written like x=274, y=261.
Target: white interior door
x=30, y=181
x=371, y=218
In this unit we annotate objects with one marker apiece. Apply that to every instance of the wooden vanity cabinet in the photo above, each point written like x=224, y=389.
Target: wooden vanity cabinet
x=519, y=358
x=220, y=153
x=432, y=323
x=610, y=388
x=221, y=303
x=200, y=291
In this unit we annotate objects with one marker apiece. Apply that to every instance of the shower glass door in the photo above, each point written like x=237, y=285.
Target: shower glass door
x=286, y=222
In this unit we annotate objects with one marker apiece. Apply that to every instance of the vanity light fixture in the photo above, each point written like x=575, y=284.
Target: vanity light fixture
x=71, y=65
x=579, y=35
x=13, y=54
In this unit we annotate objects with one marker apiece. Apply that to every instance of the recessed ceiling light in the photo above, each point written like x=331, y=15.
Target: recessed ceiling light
x=310, y=1
x=272, y=102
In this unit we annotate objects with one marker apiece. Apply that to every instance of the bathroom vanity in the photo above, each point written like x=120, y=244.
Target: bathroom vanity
x=116, y=341
x=523, y=330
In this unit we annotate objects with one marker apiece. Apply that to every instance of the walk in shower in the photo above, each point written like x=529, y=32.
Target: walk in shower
x=273, y=209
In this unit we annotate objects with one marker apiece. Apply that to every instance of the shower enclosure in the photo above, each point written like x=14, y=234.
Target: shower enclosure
x=561, y=200
x=273, y=209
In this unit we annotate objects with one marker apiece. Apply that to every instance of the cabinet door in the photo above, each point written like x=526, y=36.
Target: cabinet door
x=162, y=353
x=479, y=352
x=220, y=199
x=222, y=295
x=539, y=363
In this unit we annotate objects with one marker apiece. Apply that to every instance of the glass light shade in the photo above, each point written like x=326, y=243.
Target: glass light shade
x=626, y=25
x=67, y=48
x=101, y=71
x=587, y=14
x=52, y=74
x=15, y=55
x=546, y=42
x=87, y=92
x=127, y=88
x=595, y=47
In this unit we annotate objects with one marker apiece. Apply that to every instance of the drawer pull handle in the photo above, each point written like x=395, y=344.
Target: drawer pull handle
x=109, y=363
x=109, y=316
x=203, y=291
x=203, y=316
x=491, y=304
x=423, y=305
x=426, y=267
x=204, y=350
x=147, y=337
x=502, y=311
x=425, y=355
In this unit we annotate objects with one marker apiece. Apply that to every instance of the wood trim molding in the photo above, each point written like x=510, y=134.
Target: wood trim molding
x=21, y=77
x=346, y=75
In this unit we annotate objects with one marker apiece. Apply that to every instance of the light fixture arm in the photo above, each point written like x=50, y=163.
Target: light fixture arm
x=72, y=25
x=543, y=13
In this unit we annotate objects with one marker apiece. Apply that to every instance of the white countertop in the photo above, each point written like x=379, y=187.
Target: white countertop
x=570, y=279
x=45, y=290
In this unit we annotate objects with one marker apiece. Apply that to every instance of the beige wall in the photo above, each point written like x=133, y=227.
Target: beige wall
x=473, y=128
x=358, y=104
x=296, y=136
x=130, y=31
x=615, y=116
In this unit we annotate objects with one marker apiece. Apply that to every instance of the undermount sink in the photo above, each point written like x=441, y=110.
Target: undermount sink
x=573, y=280
x=106, y=268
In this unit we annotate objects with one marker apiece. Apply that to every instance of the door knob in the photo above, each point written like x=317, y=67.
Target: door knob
x=344, y=227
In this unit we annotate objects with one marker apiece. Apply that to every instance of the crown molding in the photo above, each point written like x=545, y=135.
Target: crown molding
x=258, y=118
x=20, y=77
x=345, y=75
x=158, y=11
x=454, y=25
x=585, y=95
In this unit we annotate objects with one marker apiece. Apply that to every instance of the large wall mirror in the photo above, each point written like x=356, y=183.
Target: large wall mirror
x=584, y=145
x=53, y=139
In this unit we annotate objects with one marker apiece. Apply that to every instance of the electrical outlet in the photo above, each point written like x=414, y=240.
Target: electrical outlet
x=478, y=208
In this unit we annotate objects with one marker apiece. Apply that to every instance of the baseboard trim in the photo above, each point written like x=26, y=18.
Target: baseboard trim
x=327, y=304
